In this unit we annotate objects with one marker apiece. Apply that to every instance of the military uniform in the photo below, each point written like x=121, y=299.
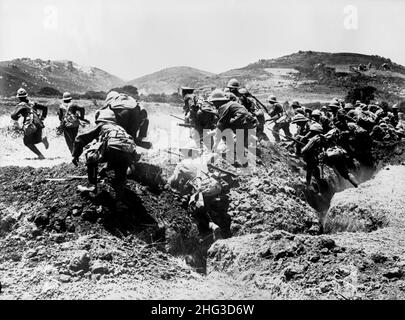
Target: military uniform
x=114, y=146
x=70, y=115
x=33, y=122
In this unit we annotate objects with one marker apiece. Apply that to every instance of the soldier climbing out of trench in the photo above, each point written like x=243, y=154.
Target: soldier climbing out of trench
x=115, y=147
x=193, y=180
x=32, y=122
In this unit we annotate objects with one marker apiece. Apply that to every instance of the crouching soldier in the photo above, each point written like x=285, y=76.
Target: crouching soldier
x=32, y=122
x=69, y=115
x=114, y=146
x=125, y=111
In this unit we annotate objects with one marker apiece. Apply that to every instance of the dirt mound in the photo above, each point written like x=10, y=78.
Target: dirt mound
x=307, y=267
x=375, y=204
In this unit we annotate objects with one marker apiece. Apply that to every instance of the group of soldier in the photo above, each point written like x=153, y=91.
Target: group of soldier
x=337, y=135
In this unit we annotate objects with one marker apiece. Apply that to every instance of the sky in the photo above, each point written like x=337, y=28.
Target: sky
x=131, y=38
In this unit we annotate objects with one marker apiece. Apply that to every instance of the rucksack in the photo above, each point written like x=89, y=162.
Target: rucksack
x=32, y=122
x=207, y=116
x=71, y=120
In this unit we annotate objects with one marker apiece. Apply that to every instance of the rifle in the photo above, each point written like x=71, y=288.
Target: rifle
x=69, y=178
x=222, y=170
x=287, y=137
x=259, y=102
x=175, y=153
x=186, y=125
x=174, y=116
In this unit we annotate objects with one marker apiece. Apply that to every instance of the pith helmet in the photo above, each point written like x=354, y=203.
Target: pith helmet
x=299, y=118
x=217, y=95
x=233, y=83
x=348, y=106
x=272, y=99
x=67, y=96
x=21, y=93
x=316, y=112
x=295, y=104
x=316, y=127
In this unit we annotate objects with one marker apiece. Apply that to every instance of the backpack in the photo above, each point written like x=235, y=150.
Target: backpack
x=32, y=122
x=207, y=116
x=71, y=120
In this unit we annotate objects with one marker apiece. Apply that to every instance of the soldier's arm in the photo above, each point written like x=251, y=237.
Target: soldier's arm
x=17, y=113
x=83, y=140
x=44, y=110
x=81, y=111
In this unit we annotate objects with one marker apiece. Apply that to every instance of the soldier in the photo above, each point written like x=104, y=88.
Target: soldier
x=114, y=146
x=125, y=111
x=311, y=152
x=325, y=112
x=302, y=124
x=233, y=86
x=281, y=120
x=32, y=122
x=322, y=120
x=190, y=108
x=69, y=115
x=255, y=111
x=233, y=116
x=335, y=157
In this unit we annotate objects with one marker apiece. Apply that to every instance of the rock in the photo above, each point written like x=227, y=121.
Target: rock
x=99, y=268
x=41, y=220
x=393, y=273
x=327, y=243
x=314, y=258
x=58, y=237
x=245, y=207
x=325, y=286
x=65, y=278
x=292, y=270
x=30, y=253
x=107, y=256
x=80, y=261
x=76, y=212
x=324, y=251
x=265, y=252
x=378, y=257
x=283, y=248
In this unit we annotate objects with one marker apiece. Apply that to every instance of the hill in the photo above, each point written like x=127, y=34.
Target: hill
x=170, y=79
x=306, y=76
x=62, y=75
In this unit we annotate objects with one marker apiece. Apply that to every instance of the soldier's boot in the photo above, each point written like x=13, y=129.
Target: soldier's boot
x=34, y=149
x=45, y=142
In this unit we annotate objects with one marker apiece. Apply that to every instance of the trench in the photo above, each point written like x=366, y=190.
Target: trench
x=193, y=246
x=382, y=155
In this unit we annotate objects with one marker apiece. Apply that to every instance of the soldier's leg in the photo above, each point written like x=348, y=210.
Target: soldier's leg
x=276, y=130
x=34, y=149
x=119, y=161
x=286, y=129
x=29, y=142
x=70, y=136
x=143, y=129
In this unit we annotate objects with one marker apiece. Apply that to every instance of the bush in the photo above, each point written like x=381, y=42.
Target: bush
x=49, y=92
x=162, y=98
x=364, y=94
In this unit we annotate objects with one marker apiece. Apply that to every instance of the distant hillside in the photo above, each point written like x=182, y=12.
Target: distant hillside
x=305, y=76
x=170, y=79
x=62, y=75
